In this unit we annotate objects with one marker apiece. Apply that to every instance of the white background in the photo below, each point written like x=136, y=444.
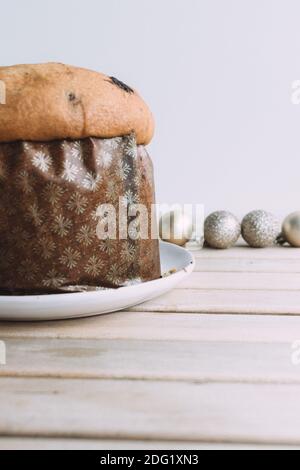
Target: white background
x=217, y=75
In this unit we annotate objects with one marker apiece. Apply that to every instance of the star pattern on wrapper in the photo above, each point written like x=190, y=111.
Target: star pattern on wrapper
x=75, y=151
x=123, y=170
x=70, y=171
x=137, y=180
x=23, y=182
x=104, y=159
x=131, y=147
x=6, y=259
x=112, y=144
x=77, y=203
x=85, y=236
x=27, y=269
x=53, y=192
x=91, y=181
x=110, y=192
x=128, y=253
x=20, y=236
x=107, y=246
x=61, y=225
x=94, y=266
x=35, y=215
x=53, y=279
x=95, y=214
x=129, y=198
x=45, y=247
x=114, y=275
x=70, y=258
x=12, y=211
x=42, y=161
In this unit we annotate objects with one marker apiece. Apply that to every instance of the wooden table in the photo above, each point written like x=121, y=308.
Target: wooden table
x=207, y=365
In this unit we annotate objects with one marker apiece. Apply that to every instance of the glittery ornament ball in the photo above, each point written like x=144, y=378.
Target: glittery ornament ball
x=260, y=229
x=221, y=230
x=176, y=227
x=291, y=229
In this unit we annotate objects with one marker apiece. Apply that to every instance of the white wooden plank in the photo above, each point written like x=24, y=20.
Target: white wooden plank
x=222, y=301
x=14, y=443
x=227, y=413
x=242, y=281
x=151, y=360
x=164, y=326
x=253, y=265
x=244, y=251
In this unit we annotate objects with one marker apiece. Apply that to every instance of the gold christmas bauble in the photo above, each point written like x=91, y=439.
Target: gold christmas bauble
x=176, y=227
x=291, y=229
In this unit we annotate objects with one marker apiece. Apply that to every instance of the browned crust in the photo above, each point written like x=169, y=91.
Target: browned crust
x=55, y=101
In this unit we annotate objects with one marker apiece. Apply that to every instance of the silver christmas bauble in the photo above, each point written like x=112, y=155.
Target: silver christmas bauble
x=221, y=229
x=291, y=229
x=260, y=229
x=176, y=227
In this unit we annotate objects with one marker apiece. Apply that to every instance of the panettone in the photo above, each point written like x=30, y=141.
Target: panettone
x=72, y=141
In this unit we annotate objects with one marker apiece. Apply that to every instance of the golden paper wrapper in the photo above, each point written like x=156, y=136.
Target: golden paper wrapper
x=51, y=197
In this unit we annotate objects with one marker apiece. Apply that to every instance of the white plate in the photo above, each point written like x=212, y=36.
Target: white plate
x=84, y=304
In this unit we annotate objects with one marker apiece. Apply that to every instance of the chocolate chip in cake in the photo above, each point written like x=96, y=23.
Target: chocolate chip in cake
x=72, y=97
x=121, y=85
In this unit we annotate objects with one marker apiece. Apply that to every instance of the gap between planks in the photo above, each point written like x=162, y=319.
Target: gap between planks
x=226, y=301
